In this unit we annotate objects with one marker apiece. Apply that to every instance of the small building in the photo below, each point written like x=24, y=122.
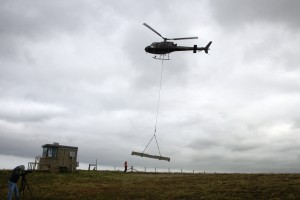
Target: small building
x=58, y=157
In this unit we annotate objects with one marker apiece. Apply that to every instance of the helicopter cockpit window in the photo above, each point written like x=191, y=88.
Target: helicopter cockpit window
x=153, y=45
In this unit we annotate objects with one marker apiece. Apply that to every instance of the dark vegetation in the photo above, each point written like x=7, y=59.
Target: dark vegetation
x=118, y=185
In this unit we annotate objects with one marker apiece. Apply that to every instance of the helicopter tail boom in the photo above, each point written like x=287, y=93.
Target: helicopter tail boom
x=195, y=49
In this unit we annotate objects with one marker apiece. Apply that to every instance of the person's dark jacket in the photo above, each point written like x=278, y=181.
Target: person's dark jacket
x=15, y=175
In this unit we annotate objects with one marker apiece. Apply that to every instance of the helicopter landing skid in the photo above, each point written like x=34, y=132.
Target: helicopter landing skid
x=162, y=57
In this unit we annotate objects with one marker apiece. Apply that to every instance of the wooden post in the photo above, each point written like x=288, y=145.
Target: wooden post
x=72, y=165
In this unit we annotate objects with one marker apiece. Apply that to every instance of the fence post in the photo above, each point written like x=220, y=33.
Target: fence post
x=145, y=169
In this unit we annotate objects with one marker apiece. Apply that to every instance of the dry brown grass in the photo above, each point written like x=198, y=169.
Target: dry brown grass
x=118, y=185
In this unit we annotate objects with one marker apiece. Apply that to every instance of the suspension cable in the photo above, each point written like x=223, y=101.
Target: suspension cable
x=158, y=103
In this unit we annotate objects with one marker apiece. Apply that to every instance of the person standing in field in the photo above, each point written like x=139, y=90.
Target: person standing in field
x=13, y=180
x=125, y=166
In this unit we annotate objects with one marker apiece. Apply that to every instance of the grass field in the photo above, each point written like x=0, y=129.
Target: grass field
x=119, y=185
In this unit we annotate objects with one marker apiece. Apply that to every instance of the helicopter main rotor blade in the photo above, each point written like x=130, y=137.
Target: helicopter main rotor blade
x=185, y=38
x=153, y=30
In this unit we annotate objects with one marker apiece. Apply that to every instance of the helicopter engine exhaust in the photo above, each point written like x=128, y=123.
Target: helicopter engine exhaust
x=195, y=49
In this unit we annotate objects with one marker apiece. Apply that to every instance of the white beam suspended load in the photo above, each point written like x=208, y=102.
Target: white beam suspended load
x=134, y=153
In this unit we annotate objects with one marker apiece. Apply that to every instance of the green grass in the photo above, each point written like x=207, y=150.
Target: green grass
x=118, y=185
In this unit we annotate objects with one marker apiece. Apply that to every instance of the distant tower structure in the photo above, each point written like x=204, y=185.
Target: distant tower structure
x=58, y=158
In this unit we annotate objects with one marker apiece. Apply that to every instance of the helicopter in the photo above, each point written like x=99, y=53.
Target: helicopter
x=165, y=47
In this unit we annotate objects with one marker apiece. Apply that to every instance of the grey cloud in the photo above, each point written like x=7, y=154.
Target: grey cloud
x=21, y=146
x=226, y=142
x=35, y=19
x=24, y=23
x=233, y=14
x=204, y=144
x=27, y=111
x=77, y=73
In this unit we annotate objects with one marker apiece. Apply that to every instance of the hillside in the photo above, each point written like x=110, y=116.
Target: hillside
x=118, y=185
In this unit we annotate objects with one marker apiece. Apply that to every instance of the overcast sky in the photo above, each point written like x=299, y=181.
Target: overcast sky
x=75, y=72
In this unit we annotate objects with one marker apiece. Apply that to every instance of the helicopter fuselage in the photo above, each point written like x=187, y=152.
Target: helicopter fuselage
x=161, y=47
x=169, y=47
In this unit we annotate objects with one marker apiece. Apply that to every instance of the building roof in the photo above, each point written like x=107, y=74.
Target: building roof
x=58, y=145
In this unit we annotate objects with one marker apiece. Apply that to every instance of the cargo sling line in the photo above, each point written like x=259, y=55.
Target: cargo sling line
x=154, y=135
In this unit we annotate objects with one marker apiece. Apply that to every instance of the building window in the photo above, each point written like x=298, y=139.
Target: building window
x=44, y=152
x=50, y=152
x=54, y=152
